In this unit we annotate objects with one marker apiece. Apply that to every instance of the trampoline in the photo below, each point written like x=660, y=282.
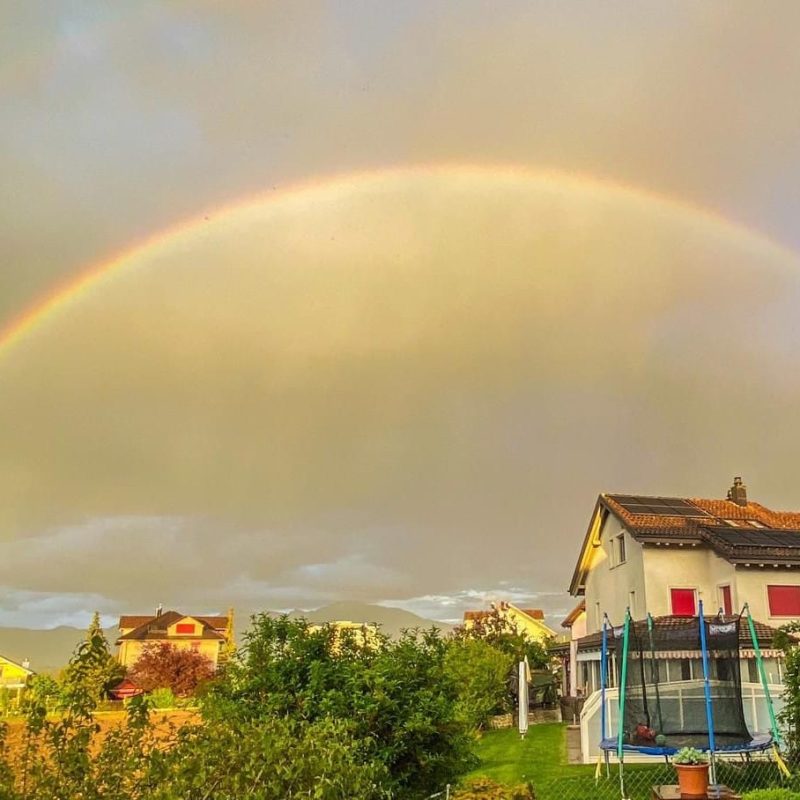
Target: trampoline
x=660, y=712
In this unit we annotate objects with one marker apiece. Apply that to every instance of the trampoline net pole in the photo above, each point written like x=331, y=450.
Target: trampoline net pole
x=622, y=684
x=763, y=675
x=707, y=689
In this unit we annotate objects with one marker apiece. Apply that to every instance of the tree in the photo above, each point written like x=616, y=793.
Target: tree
x=164, y=666
x=481, y=672
x=397, y=696
x=97, y=671
x=498, y=630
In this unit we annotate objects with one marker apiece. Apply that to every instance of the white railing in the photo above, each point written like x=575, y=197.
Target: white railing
x=683, y=693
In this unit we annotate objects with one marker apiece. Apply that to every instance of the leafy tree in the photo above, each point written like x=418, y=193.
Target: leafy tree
x=481, y=672
x=498, y=630
x=164, y=666
x=97, y=671
x=396, y=695
x=45, y=689
x=786, y=639
x=266, y=759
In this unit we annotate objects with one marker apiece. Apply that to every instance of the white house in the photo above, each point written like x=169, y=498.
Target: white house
x=663, y=554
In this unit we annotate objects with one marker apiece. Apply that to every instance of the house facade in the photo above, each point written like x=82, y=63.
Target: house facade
x=663, y=555
x=208, y=635
x=529, y=621
x=14, y=676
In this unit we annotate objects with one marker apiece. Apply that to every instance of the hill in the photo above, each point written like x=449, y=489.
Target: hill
x=391, y=620
x=47, y=650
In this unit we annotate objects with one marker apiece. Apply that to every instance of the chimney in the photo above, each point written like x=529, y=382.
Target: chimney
x=26, y=664
x=159, y=610
x=738, y=492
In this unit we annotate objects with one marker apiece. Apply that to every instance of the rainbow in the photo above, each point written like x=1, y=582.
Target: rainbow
x=93, y=277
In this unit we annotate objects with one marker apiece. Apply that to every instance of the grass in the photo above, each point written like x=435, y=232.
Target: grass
x=540, y=757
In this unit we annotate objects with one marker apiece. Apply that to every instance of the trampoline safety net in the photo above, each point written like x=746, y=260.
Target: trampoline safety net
x=665, y=704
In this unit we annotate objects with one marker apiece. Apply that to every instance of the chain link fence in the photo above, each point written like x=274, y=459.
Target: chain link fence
x=639, y=779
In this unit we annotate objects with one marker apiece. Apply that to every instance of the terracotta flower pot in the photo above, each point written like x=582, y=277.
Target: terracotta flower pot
x=692, y=779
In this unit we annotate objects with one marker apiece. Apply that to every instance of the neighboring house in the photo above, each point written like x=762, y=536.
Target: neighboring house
x=575, y=622
x=529, y=621
x=663, y=554
x=363, y=633
x=207, y=635
x=14, y=677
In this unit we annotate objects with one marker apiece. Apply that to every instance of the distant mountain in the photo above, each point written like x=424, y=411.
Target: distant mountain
x=47, y=650
x=391, y=620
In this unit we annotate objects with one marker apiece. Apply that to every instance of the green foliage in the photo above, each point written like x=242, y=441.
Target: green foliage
x=771, y=794
x=481, y=673
x=162, y=698
x=95, y=672
x=502, y=633
x=689, y=755
x=486, y=789
x=789, y=716
x=267, y=759
x=398, y=695
x=44, y=689
x=177, y=668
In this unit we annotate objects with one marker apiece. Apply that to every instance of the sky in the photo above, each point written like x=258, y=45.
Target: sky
x=401, y=287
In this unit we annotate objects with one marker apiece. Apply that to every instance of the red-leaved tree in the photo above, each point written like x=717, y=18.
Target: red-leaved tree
x=164, y=666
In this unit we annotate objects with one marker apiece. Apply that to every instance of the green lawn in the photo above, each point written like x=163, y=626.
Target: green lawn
x=540, y=757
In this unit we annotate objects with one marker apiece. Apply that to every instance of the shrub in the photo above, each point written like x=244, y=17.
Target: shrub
x=485, y=789
x=162, y=698
x=481, y=674
x=397, y=695
x=771, y=794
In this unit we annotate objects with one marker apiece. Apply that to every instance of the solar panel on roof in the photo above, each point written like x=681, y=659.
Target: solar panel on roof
x=760, y=538
x=659, y=506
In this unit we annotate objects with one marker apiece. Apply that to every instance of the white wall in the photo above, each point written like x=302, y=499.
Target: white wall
x=686, y=567
x=609, y=585
x=751, y=585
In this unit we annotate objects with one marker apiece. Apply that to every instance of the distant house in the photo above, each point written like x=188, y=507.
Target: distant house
x=529, y=621
x=13, y=676
x=207, y=635
x=363, y=633
x=663, y=555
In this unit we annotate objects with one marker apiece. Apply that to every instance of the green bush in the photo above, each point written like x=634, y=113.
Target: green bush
x=481, y=674
x=162, y=698
x=771, y=794
x=485, y=789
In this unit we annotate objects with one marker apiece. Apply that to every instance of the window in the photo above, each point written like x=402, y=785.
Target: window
x=683, y=604
x=184, y=627
x=621, y=548
x=686, y=669
x=784, y=601
x=725, y=600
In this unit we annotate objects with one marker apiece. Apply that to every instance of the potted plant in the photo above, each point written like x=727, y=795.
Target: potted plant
x=692, y=768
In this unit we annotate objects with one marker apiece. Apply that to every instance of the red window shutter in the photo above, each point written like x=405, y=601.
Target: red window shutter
x=784, y=601
x=727, y=602
x=683, y=602
x=184, y=627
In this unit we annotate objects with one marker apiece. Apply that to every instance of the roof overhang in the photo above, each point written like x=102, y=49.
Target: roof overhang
x=591, y=541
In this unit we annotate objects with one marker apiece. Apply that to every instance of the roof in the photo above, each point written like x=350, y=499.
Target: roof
x=574, y=614
x=155, y=627
x=764, y=633
x=748, y=534
x=134, y=621
x=17, y=664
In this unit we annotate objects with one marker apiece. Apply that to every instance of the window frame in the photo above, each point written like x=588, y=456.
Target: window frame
x=721, y=597
x=684, y=588
x=773, y=615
